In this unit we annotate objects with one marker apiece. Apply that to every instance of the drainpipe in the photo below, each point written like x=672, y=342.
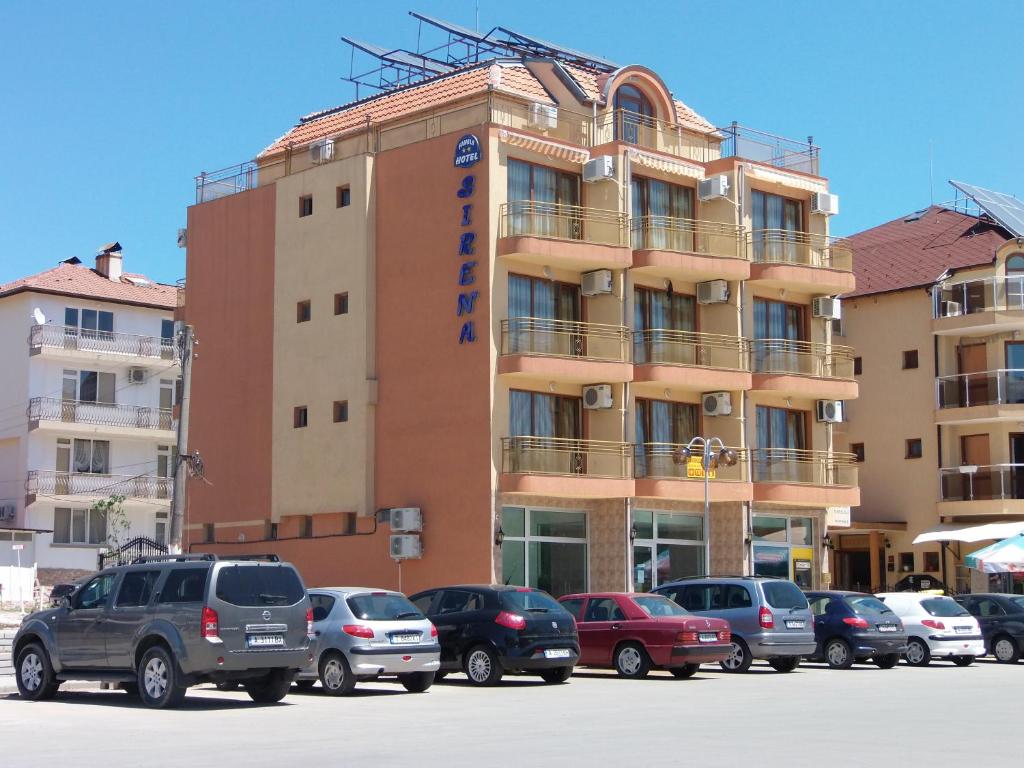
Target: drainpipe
x=624, y=315
x=745, y=423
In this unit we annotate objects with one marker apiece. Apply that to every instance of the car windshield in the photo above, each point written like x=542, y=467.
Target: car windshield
x=656, y=605
x=783, y=594
x=383, y=606
x=529, y=600
x=257, y=585
x=867, y=605
x=938, y=606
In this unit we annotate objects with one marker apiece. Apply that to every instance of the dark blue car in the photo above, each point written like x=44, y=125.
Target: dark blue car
x=852, y=626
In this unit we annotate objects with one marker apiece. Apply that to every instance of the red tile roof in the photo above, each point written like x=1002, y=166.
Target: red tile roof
x=82, y=282
x=905, y=253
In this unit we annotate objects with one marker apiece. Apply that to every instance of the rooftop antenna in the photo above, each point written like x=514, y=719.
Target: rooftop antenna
x=931, y=175
x=478, y=15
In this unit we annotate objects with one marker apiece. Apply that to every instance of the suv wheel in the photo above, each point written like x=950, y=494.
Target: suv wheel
x=838, y=654
x=1005, y=650
x=631, y=661
x=739, y=658
x=556, y=675
x=35, y=677
x=416, y=682
x=159, y=681
x=917, y=654
x=887, y=660
x=482, y=666
x=687, y=670
x=272, y=688
x=335, y=675
x=784, y=663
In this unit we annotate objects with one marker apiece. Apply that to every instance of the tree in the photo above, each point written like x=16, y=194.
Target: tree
x=118, y=526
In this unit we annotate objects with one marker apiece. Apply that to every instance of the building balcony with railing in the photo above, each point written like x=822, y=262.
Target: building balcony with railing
x=566, y=236
x=80, y=417
x=647, y=132
x=803, y=368
x=984, y=305
x=995, y=489
x=813, y=263
x=96, y=486
x=979, y=397
x=804, y=477
x=564, y=350
x=659, y=475
x=689, y=361
x=689, y=250
x=78, y=343
x=566, y=467
x=771, y=150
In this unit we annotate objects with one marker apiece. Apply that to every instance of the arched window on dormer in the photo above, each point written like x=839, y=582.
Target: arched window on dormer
x=634, y=114
x=1015, y=281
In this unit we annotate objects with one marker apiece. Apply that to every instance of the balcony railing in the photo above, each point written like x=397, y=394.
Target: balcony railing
x=990, y=294
x=563, y=222
x=651, y=133
x=982, y=482
x=104, y=342
x=566, y=456
x=761, y=147
x=654, y=460
x=103, y=414
x=227, y=181
x=802, y=358
x=709, y=350
x=784, y=246
x=791, y=465
x=564, y=338
x=708, y=238
x=87, y=484
x=964, y=390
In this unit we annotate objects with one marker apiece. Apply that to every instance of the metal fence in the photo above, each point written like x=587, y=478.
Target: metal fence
x=790, y=465
x=762, y=147
x=650, y=133
x=566, y=456
x=655, y=460
x=804, y=249
x=964, y=390
x=103, y=342
x=564, y=338
x=105, y=414
x=54, y=483
x=562, y=222
x=990, y=294
x=226, y=181
x=127, y=553
x=982, y=482
x=708, y=238
x=802, y=358
x=710, y=350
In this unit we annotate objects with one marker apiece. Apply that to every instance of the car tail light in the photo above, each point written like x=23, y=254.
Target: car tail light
x=856, y=621
x=687, y=638
x=309, y=623
x=358, y=630
x=209, y=625
x=510, y=620
x=433, y=631
x=765, y=618
x=725, y=636
x=933, y=623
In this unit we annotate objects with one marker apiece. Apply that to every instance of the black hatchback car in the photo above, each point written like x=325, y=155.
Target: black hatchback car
x=852, y=626
x=487, y=630
x=1002, y=623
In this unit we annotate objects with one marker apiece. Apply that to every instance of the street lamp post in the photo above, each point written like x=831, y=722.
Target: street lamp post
x=713, y=454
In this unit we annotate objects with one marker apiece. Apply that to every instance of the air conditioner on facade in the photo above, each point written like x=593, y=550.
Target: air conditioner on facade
x=405, y=519
x=136, y=375
x=830, y=309
x=597, y=396
x=321, y=151
x=595, y=283
x=951, y=309
x=824, y=203
x=713, y=292
x=405, y=546
x=830, y=411
x=544, y=116
x=7, y=511
x=599, y=169
x=716, y=186
x=717, y=403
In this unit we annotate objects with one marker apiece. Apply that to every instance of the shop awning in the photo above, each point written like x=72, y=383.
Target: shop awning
x=1006, y=556
x=951, y=532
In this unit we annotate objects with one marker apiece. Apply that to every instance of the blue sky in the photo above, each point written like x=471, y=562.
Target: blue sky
x=109, y=109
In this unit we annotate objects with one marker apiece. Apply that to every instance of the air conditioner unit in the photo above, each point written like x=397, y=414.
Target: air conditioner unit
x=599, y=169
x=544, y=116
x=830, y=309
x=321, y=151
x=716, y=186
x=597, y=396
x=8, y=511
x=595, y=283
x=951, y=309
x=405, y=519
x=830, y=411
x=824, y=203
x=717, y=403
x=405, y=546
x=713, y=292
x=136, y=375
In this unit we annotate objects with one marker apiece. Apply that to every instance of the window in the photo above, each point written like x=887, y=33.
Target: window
x=906, y=562
x=273, y=530
x=160, y=528
x=90, y=323
x=96, y=593
x=322, y=605
x=259, y=585
x=92, y=387
x=633, y=114
x=914, y=449
x=208, y=533
x=306, y=527
x=344, y=196
x=542, y=201
x=537, y=415
x=136, y=589
x=340, y=411
x=305, y=205
x=90, y=456
x=341, y=303
x=931, y=562
x=858, y=366
x=166, y=331
x=300, y=417
x=667, y=546
x=838, y=327
x=423, y=601
x=457, y=601
x=573, y=606
x=784, y=548
x=184, y=585
x=774, y=221
x=658, y=424
x=604, y=609
x=545, y=549
x=781, y=435
x=534, y=299
x=383, y=607
x=657, y=318
x=303, y=311
x=655, y=204
x=778, y=327
x=857, y=449
x=79, y=526
x=910, y=359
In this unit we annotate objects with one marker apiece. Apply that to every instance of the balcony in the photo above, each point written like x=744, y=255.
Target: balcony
x=772, y=150
x=689, y=361
x=650, y=133
x=803, y=369
x=689, y=250
x=565, y=350
x=979, y=397
x=227, y=181
x=557, y=466
x=565, y=236
x=804, y=478
x=130, y=420
x=986, y=305
x=801, y=261
x=659, y=477
x=996, y=489
x=97, y=486
x=78, y=343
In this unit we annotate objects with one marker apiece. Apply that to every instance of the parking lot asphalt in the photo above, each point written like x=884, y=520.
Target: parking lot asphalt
x=937, y=716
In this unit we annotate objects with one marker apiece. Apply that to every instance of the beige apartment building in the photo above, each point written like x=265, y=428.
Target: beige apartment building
x=507, y=293
x=937, y=320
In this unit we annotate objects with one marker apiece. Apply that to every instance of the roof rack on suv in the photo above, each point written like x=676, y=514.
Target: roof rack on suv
x=172, y=558
x=727, y=576
x=269, y=557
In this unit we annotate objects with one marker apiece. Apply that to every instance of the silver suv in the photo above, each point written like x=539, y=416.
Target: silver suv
x=165, y=623
x=769, y=618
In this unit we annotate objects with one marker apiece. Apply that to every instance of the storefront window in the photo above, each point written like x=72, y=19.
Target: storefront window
x=784, y=548
x=545, y=549
x=667, y=547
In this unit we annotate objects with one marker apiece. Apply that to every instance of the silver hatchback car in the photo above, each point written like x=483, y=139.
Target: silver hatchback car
x=364, y=634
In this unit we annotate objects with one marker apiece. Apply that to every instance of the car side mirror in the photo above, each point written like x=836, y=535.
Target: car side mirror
x=65, y=603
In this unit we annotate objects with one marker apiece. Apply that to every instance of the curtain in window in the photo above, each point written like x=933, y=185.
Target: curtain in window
x=659, y=209
x=78, y=526
x=83, y=456
x=87, y=386
x=520, y=413
x=569, y=223
x=101, y=456
x=773, y=214
x=656, y=311
x=758, y=223
x=636, y=207
x=62, y=525
x=518, y=192
x=641, y=456
x=97, y=527
x=545, y=199
x=520, y=305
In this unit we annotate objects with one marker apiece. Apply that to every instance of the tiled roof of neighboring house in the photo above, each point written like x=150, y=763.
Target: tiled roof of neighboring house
x=82, y=282
x=914, y=250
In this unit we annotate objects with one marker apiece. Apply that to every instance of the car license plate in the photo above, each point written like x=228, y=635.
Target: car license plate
x=557, y=653
x=963, y=630
x=708, y=637
x=405, y=638
x=265, y=641
x=795, y=624
x=886, y=627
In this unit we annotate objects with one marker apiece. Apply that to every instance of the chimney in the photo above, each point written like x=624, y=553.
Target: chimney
x=109, y=262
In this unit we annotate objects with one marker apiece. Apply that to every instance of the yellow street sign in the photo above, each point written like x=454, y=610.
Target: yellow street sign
x=695, y=470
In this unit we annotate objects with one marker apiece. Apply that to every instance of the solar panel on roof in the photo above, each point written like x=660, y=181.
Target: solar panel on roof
x=558, y=49
x=1005, y=209
x=399, y=56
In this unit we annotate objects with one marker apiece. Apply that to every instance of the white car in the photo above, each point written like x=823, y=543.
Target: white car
x=937, y=627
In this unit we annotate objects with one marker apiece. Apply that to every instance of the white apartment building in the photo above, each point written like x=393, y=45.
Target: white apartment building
x=87, y=385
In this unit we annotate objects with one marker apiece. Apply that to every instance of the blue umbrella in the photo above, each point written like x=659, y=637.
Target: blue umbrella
x=1006, y=556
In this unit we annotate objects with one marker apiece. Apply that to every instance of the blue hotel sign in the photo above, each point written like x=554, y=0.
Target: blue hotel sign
x=467, y=153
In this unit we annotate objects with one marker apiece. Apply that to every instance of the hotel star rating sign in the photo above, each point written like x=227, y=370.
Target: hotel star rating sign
x=467, y=153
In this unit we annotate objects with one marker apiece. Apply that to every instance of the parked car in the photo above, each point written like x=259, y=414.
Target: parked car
x=634, y=633
x=920, y=582
x=486, y=631
x=364, y=634
x=854, y=627
x=165, y=623
x=769, y=618
x=1002, y=623
x=937, y=627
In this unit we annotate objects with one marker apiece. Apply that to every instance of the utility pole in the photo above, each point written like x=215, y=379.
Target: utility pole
x=186, y=340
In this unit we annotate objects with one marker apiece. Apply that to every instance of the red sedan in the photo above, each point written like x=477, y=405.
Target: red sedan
x=637, y=632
